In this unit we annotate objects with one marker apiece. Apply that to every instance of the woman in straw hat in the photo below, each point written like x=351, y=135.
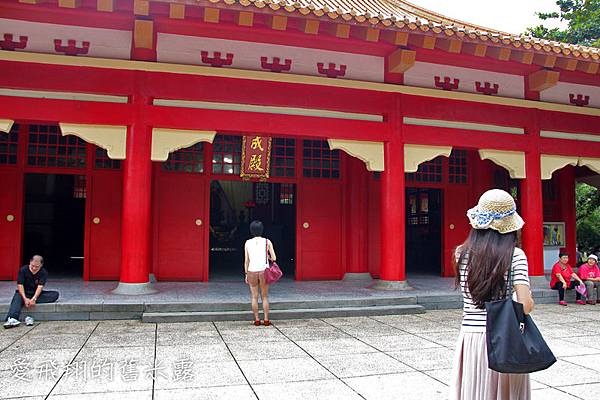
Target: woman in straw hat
x=482, y=264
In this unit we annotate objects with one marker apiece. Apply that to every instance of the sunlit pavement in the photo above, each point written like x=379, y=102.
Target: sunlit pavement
x=388, y=357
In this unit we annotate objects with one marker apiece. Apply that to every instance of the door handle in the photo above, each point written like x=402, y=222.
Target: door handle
x=198, y=222
x=96, y=220
x=306, y=225
x=10, y=218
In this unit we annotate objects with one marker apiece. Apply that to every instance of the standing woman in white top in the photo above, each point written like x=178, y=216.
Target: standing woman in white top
x=483, y=261
x=258, y=251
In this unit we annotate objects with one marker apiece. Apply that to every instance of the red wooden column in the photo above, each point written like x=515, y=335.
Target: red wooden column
x=532, y=211
x=137, y=199
x=392, y=273
x=566, y=189
x=356, y=220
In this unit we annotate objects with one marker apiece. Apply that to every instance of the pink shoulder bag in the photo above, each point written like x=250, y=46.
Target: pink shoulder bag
x=272, y=272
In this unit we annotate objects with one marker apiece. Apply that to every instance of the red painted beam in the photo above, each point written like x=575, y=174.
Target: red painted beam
x=32, y=76
x=271, y=124
x=463, y=138
x=565, y=122
x=564, y=147
x=83, y=112
x=466, y=111
x=50, y=13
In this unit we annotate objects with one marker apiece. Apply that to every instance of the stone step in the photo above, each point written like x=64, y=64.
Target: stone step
x=295, y=313
x=280, y=305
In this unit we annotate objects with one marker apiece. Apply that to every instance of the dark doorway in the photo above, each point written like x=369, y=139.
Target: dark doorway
x=233, y=205
x=54, y=220
x=424, y=231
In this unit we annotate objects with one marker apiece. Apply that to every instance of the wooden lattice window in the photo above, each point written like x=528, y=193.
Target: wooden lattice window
x=48, y=148
x=103, y=162
x=227, y=155
x=286, y=193
x=457, y=166
x=320, y=162
x=283, y=157
x=9, y=145
x=79, y=187
x=430, y=171
x=190, y=159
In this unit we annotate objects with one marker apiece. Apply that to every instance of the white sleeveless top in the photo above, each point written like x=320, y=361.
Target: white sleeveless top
x=257, y=253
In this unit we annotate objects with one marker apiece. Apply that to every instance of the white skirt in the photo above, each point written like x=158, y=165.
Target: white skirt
x=471, y=378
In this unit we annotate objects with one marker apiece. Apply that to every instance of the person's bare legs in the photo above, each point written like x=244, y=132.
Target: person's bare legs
x=264, y=288
x=254, y=294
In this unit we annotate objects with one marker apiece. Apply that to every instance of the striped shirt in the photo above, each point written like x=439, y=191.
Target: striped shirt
x=474, y=318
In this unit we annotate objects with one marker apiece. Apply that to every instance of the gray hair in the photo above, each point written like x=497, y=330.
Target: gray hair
x=37, y=255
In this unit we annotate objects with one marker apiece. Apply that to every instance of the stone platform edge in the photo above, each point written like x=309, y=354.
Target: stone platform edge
x=115, y=311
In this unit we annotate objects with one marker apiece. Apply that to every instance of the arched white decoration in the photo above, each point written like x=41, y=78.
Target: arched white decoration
x=591, y=163
x=415, y=154
x=371, y=153
x=551, y=163
x=165, y=141
x=5, y=125
x=112, y=138
x=512, y=161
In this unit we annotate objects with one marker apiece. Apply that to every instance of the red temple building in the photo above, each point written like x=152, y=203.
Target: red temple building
x=140, y=137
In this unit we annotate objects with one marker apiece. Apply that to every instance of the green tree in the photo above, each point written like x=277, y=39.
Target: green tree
x=587, y=205
x=583, y=17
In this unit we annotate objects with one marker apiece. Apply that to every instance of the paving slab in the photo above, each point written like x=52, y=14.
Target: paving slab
x=316, y=389
x=283, y=370
x=408, y=385
x=238, y=392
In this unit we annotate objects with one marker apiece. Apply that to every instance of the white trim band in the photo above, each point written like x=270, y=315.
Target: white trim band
x=305, y=112
x=463, y=125
x=584, y=137
x=40, y=94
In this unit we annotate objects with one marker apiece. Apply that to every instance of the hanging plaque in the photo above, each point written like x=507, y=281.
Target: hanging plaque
x=256, y=157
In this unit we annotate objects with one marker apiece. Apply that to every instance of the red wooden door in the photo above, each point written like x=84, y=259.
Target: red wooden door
x=320, y=230
x=181, y=237
x=104, y=222
x=10, y=223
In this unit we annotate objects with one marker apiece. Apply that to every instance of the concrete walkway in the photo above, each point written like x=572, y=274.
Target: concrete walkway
x=388, y=357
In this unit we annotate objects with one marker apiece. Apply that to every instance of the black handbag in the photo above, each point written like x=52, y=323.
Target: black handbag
x=514, y=344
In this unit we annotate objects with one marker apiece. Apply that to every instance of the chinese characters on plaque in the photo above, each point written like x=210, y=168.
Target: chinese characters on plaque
x=256, y=157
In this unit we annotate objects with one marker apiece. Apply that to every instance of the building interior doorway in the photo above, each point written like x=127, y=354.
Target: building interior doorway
x=424, y=231
x=54, y=222
x=233, y=205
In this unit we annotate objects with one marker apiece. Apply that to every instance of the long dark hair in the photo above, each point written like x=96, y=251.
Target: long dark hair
x=488, y=255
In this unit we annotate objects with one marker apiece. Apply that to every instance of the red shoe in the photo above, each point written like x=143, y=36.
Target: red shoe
x=267, y=322
x=562, y=303
x=580, y=302
x=591, y=302
x=257, y=323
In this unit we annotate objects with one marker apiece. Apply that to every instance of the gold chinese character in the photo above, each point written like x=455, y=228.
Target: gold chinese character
x=256, y=143
x=255, y=163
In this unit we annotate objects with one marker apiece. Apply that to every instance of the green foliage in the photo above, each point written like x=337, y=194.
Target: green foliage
x=587, y=200
x=583, y=17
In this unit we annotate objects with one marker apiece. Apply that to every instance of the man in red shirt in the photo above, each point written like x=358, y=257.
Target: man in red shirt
x=590, y=274
x=561, y=279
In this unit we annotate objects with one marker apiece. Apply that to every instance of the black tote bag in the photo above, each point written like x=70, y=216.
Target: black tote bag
x=514, y=344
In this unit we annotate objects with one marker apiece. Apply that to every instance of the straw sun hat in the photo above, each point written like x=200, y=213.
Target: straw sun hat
x=496, y=210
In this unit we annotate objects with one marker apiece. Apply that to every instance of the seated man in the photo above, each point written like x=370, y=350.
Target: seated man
x=590, y=274
x=30, y=281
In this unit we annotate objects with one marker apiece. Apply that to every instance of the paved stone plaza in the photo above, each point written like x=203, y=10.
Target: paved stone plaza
x=388, y=357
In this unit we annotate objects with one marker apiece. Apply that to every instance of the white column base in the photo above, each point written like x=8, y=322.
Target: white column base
x=391, y=285
x=357, y=276
x=134, y=289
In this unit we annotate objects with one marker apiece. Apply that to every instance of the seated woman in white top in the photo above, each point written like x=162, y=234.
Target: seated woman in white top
x=258, y=251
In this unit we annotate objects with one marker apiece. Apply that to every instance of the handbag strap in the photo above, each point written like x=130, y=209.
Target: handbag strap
x=509, y=276
x=266, y=251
